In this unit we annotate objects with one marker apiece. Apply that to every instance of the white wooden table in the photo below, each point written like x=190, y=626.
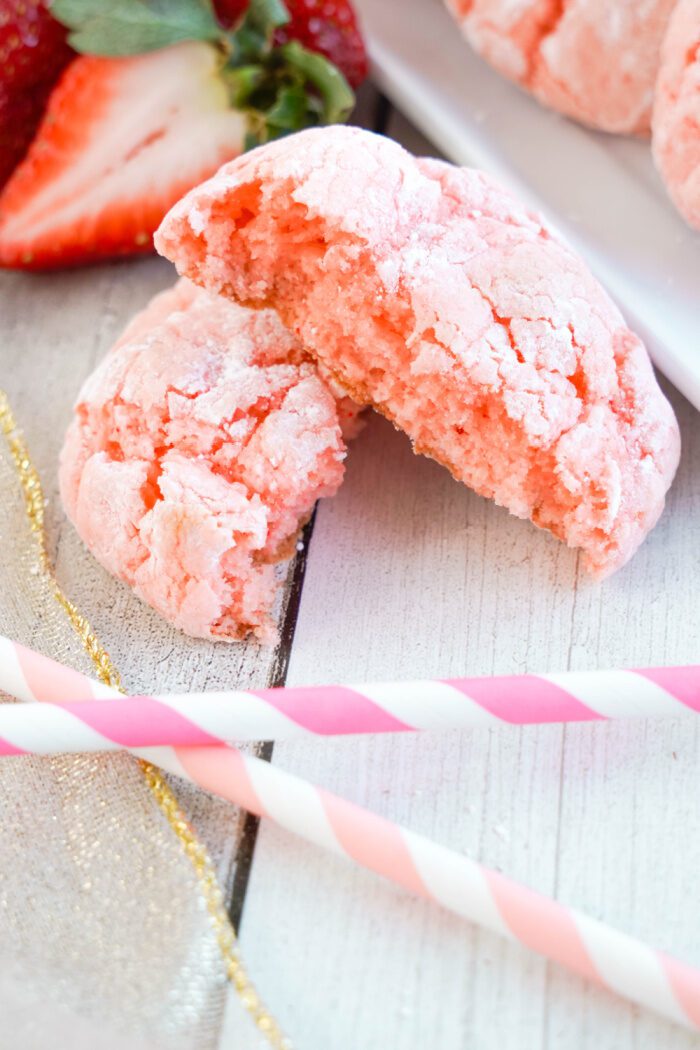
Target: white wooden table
x=406, y=573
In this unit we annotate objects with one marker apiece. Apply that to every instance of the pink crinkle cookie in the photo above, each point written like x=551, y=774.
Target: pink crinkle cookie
x=434, y=296
x=594, y=60
x=199, y=447
x=676, y=122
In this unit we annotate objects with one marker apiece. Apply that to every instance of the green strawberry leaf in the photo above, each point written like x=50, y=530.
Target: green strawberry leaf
x=267, y=15
x=132, y=27
x=247, y=45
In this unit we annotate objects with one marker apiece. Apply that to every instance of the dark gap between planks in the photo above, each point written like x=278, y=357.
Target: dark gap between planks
x=278, y=676
x=373, y=111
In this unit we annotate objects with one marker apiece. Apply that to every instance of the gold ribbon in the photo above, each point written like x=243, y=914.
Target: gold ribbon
x=164, y=796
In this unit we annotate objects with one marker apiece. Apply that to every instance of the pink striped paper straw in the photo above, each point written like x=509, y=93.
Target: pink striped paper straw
x=606, y=956
x=280, y=714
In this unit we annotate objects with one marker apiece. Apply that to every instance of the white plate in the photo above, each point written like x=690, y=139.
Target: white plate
x=600, y=190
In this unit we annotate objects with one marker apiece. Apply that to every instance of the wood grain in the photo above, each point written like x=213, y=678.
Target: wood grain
x=55, y=328
x=411, y=575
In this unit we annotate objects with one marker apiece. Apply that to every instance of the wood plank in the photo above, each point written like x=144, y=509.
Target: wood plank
x=409, y=574
x=54, y=328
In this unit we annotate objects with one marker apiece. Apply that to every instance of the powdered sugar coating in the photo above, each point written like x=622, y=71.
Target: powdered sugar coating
x=594, y=60
x=433, y=295
x=676, y=123
x=198, y=448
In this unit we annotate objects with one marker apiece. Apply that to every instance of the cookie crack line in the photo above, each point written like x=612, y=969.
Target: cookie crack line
x=547, y=29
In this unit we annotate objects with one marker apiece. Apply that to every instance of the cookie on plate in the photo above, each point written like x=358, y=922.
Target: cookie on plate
x=431, y=294
x=197, y=451
x=676, y=122
x=593, y=60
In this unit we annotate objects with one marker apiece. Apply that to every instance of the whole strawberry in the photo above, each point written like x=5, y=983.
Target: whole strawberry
x=19, y=116
x=33, y=46
x=33, y=52
x=329, y=27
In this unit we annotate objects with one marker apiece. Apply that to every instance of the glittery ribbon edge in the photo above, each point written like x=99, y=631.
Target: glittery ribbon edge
x=162, y=793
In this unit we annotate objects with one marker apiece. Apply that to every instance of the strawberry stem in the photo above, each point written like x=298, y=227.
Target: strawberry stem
x=280, y=89
x=330, y=83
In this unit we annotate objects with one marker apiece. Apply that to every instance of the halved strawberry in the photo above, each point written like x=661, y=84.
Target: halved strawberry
x=124, y=138
x=121, y=141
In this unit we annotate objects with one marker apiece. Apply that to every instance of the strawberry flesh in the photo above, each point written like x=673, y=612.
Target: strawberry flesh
x=121, y=141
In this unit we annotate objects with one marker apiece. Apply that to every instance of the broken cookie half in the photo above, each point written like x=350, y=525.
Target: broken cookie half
x=197, y=451
x=430, y=293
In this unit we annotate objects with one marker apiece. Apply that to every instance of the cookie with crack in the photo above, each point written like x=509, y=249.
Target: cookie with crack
x=428, y=292
x=676, y=123
x=593, y=60
x=197, y=451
